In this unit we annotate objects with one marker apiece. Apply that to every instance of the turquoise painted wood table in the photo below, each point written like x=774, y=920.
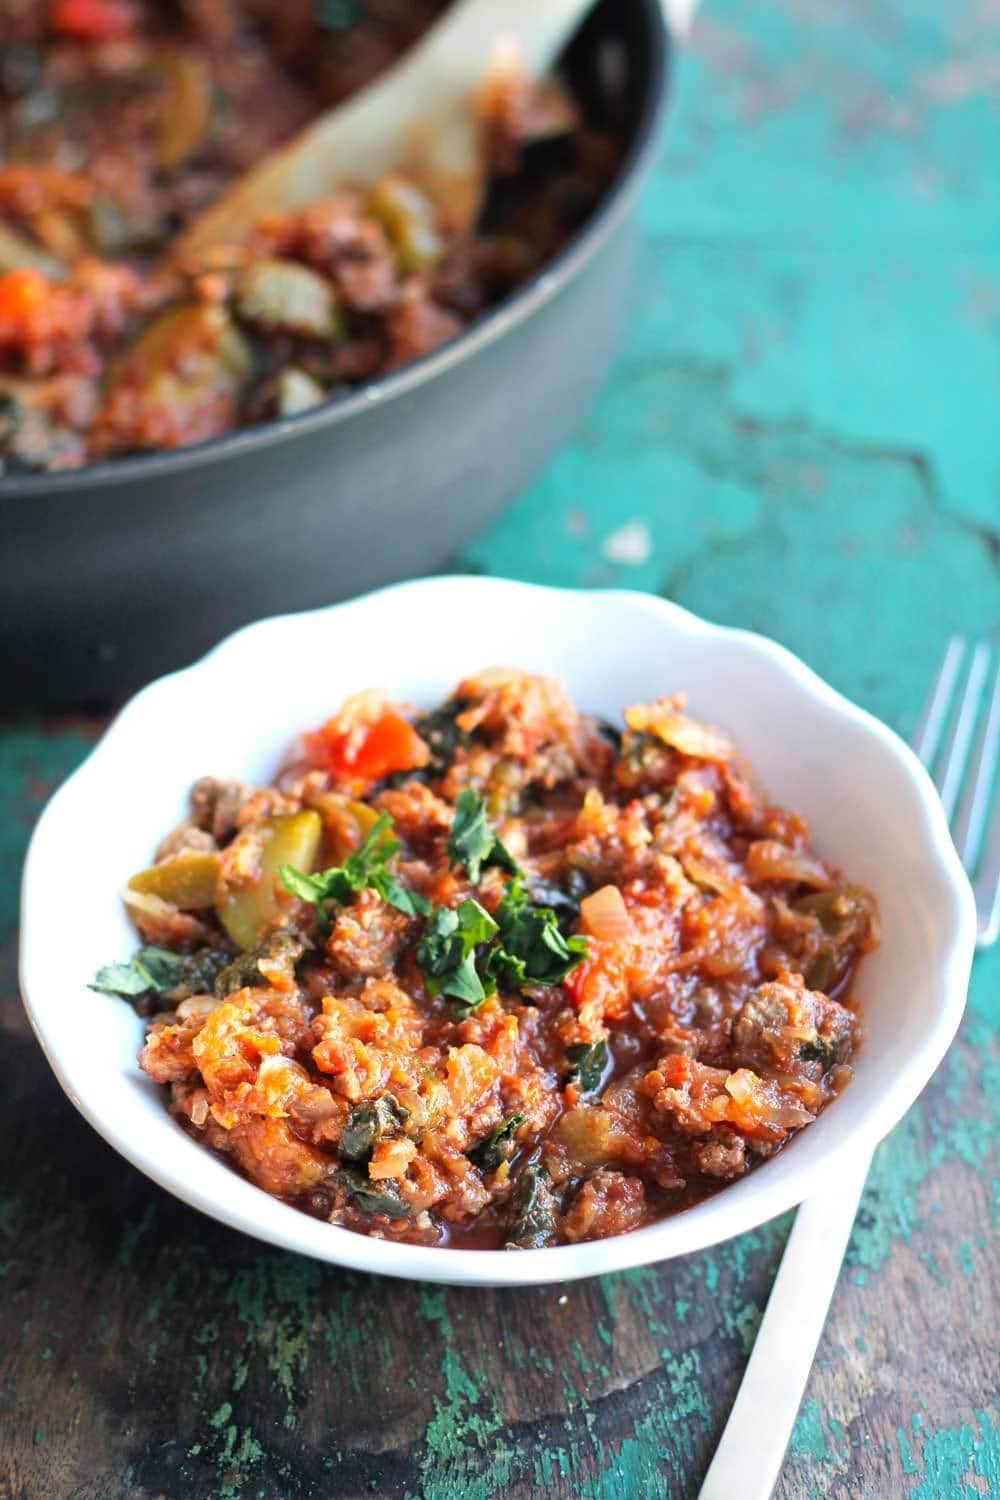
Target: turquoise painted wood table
x=801, y=436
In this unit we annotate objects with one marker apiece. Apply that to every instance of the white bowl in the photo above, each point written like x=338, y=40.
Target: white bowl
x=872, y=808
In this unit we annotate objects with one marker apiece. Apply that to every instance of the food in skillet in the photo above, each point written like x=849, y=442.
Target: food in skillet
x=121, y=119
x=498, y=974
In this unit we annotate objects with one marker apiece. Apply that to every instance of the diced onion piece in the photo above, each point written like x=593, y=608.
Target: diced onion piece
x=760, y=1103
x=391, y=1159
x=709, y=873
x=196, y=1005
x=591, y=1136
x=283, y=294
x=604, y=915
x=769, y=860
x=665, y=720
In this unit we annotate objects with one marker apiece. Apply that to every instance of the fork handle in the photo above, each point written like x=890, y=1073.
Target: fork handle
x=751, y=1451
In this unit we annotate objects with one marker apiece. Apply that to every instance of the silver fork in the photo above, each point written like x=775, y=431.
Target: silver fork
x=963, y=761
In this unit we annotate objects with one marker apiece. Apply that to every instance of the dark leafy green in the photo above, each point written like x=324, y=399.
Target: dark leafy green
x=400, y=896
x=199, y=972
x=473, y=843
x=441, y=734
x=611, y=733
x=824, y=1049
x=280, y=951
x=446, y=952
x=564, y=903
x=498, y=1145
x=337, y=15
x=534, y=1207
x=367, y=866
x=369, y=1123
x=588, y=1061
x=371, y=1197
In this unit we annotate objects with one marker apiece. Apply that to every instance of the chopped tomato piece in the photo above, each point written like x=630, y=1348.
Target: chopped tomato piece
x=35, y=315
x=93, y=20
x=367, y=751
x=599, y=987
x=22, y=294
x=575, y=984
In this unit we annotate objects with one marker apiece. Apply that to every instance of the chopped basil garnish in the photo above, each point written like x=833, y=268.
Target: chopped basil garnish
x=473, y=843
x=367, y=866
x=532, y=949
x=152, y=969
x=447, y=952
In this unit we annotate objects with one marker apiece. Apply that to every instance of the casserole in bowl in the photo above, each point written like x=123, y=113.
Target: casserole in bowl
x=872, y=811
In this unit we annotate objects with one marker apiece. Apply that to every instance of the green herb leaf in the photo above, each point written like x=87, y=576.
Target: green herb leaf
x=155, y=969
x=369, y=1123
x=367, y=866
x=497, y=1146
x=588, y=1061
x=532, y=948
x=473, y=843
x=313, y=888
x=446, y=952
x=371, y=1197
x=404, y=900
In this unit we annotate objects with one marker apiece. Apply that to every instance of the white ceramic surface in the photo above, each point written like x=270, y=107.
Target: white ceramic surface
x=872, y=808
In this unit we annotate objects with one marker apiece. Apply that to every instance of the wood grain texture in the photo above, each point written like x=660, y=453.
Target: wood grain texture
x=801, y=437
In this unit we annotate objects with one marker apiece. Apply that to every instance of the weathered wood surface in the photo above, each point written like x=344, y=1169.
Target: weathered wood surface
x=801, y=437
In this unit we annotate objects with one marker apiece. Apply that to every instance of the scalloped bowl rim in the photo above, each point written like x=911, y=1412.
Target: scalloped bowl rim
x=852, y=1126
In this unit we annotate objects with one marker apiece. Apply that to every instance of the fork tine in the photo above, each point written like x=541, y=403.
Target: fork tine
x=955, y=753
x=971, y=817
x=987, y=886
x=934, y=712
